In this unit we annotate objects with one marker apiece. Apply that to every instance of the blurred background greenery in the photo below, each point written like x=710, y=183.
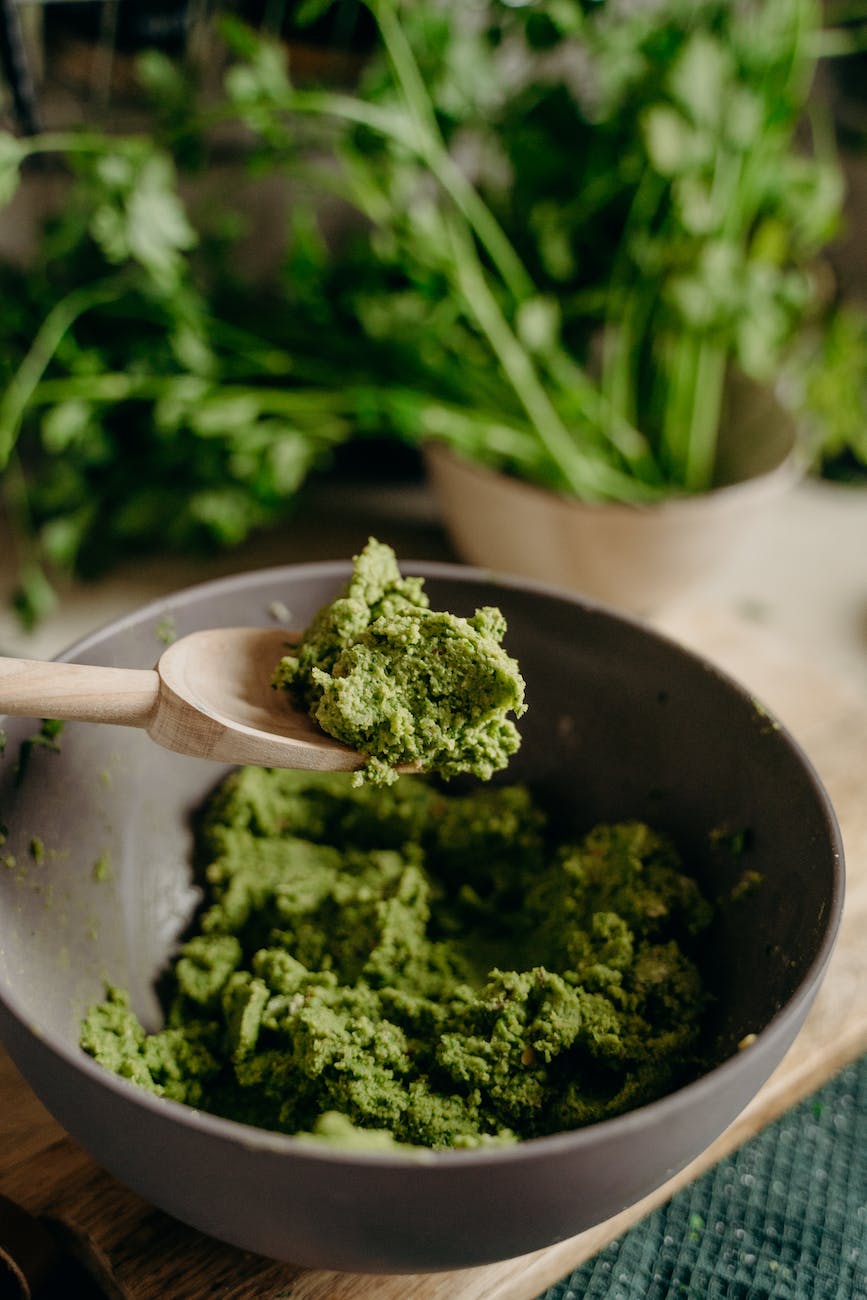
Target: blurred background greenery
x=244, y=242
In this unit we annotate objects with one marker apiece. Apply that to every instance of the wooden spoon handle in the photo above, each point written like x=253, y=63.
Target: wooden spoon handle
x=78, y=692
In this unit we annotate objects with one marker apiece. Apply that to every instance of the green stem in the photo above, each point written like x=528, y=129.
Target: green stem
x=70, y=142
x=267, y=357
x=679, y=390
x=515, y=361
x=710, y=369
x=578, y=469
x=622, y=360
x=13, y=487
x=113, y=387
x=463, y=194
x=427, y=144
x=584, y=475
x=346, y=108
x=441, y=165
x=837, y=44
x=620, y=432
x=517, y=366
x=621, y=356
x=405, y=67
x=59, y=320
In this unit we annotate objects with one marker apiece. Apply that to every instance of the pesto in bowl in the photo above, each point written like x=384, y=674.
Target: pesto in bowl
x=405, y=966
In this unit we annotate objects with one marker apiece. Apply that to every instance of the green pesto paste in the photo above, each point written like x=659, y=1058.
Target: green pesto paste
x=404, y=684
x=413, y=967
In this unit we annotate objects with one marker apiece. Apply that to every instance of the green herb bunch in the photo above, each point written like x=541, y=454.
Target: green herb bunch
x=137, y=413
x=576, y=216
x=581, y=215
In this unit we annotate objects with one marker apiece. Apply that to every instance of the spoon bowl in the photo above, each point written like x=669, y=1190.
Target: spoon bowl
x=209, y=696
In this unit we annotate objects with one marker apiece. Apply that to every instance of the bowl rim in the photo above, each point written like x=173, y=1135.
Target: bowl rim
x=567, y=1141
x=719, y=499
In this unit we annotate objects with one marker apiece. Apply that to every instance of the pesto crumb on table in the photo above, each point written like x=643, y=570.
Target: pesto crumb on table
x=397, y=965
x=403, y=684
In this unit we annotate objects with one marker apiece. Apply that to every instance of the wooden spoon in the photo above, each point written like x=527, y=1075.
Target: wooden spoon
x=210, y=696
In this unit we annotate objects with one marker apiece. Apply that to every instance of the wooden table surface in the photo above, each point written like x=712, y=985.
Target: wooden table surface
x=137, y=1251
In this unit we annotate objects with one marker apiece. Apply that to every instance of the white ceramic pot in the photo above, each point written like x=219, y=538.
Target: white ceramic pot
x=635, y=558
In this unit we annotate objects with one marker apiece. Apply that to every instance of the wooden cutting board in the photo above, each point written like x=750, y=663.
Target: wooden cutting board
x=138, y=1252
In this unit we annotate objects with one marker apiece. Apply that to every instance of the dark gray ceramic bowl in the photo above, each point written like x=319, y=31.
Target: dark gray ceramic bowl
x=621, y=723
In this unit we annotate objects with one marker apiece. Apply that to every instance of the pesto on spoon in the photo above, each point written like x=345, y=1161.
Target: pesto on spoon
x=383, y=684
x=403, y=684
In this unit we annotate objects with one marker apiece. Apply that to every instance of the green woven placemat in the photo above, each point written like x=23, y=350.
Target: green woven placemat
x=783, y=1218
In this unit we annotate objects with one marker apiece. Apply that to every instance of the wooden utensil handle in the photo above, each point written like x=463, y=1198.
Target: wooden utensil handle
x=78, y=692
